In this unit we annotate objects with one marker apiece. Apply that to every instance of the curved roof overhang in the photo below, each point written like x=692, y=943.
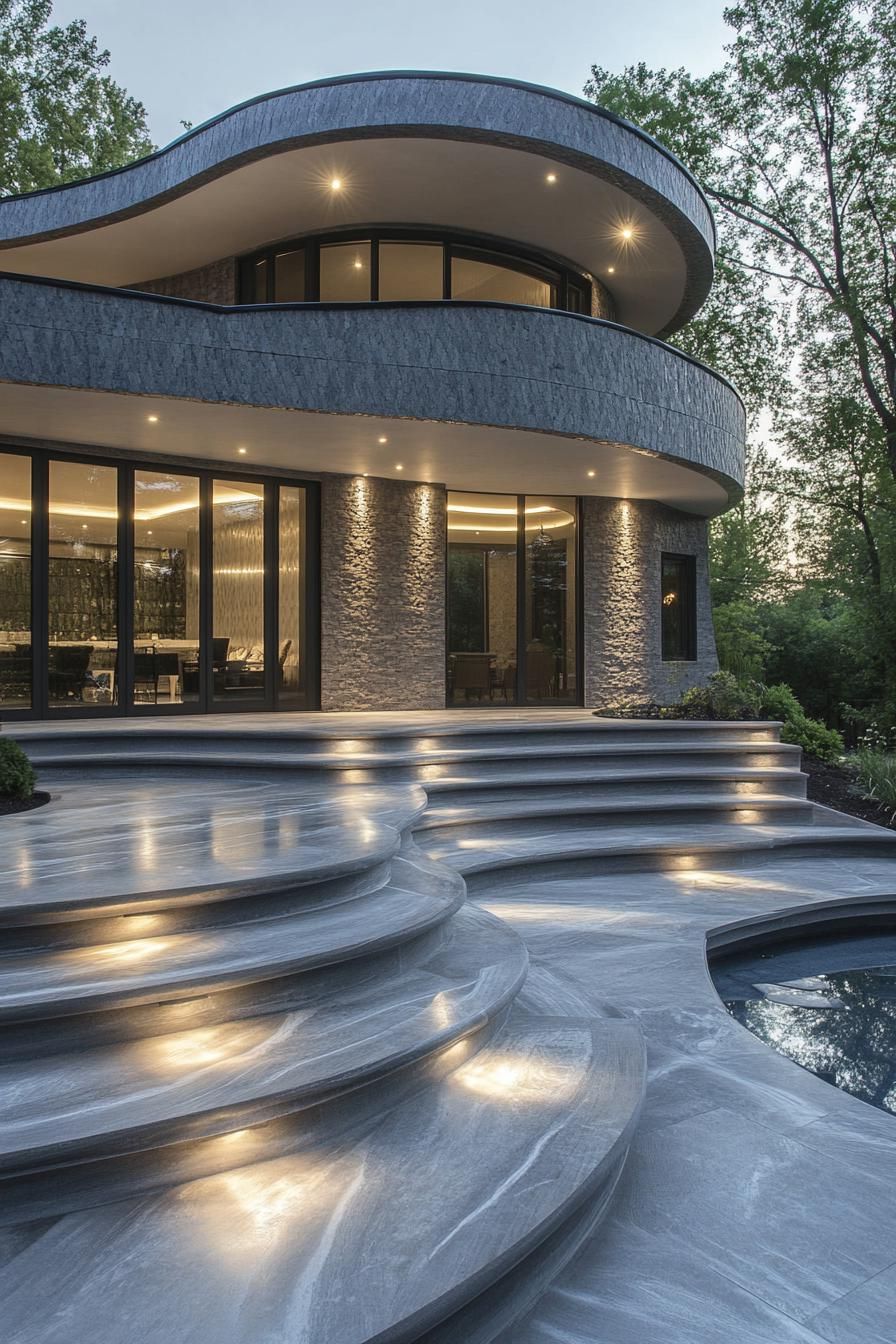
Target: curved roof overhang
x=477, y=396
x=459, y=152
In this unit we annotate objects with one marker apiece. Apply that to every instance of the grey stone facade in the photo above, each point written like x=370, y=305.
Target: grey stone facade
x=623, y=541
x=470, y=107
x=487, y=364
x=214, y=283
x=382, y=594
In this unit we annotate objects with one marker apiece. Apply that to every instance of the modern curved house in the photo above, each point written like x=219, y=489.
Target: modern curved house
x=356, y=397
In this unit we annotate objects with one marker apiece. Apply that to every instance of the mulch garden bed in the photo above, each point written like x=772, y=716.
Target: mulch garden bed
x=10, y=806
x=834, y=786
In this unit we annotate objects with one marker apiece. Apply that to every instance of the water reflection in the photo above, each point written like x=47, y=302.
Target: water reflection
x=840, y=1024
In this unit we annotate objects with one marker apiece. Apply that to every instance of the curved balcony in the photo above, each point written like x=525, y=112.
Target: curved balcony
x=543, y=169
x=478, y=396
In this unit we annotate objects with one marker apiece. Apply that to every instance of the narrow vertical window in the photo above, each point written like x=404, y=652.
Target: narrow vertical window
x=679, y=608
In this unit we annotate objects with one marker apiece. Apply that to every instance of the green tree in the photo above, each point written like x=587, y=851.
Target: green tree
x=61, y=116
x=794, y=141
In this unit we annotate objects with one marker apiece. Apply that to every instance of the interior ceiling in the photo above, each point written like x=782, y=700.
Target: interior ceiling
x=441, y=183
x=463, y=457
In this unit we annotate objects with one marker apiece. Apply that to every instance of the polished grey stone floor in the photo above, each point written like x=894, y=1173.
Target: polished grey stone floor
x=757, y=1202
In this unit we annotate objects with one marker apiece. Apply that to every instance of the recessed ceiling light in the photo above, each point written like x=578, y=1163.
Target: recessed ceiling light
x=592, y=473
x=149, y=532
x=359, y=265
x=611, y=270
x=551, y=177
x=24, y=522
x=83, y=527
x=242, y=451
x=399, y=467
x=335, y=183
x=153, y=419
x=382, y=439
x=364, y=474
x=626, y=232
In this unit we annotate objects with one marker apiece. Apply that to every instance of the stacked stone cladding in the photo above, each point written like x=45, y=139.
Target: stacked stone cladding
x=382, y=594
x=214, y=283
x=623, y=542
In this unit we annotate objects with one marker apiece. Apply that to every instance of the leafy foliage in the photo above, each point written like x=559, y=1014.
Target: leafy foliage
x=779, y=702
x=16, y=773
x=874, y=764
x=61, y=116
x=793, y=141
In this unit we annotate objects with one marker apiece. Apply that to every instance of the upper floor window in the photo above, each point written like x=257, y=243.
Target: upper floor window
x=389, y=266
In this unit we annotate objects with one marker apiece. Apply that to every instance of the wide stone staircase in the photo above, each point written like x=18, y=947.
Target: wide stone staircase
x=268, y=1075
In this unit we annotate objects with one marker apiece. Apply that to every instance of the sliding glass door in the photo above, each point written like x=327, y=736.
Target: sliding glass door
x=140, y=589
x=512, y=600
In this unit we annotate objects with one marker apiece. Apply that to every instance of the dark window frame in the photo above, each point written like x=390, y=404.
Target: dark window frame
x=688, y=608
x=574, y=289
x=207, y=472
x=520, y=699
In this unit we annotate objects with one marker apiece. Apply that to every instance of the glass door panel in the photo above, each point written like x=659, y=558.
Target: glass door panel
x=550, y=598
x=166, y=589
x=15, y=582
x=82, y=584
x=482, y=598
x=291, y=553
x=238, y=590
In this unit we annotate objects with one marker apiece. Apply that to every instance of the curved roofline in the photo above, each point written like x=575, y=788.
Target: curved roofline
x=542, y=89
x=229, y=309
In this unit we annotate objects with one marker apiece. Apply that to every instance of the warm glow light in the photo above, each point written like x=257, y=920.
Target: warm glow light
x=358, y=264
x=479, y=508
x=242, y=451
x=153, y=419
x=551, y=177
x=611, y=270
x=335, y=183
x=592, y=473
x=545, y=527
x=382, y=439
x=626, y=233
x=518, y=1079
x=399, y=466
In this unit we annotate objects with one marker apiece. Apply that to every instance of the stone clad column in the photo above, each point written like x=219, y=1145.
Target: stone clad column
x=382, y=594
x=622, y=544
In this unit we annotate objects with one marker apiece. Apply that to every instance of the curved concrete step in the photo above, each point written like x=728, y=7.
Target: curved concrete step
x=439, y=819
x=55, y=983
x=184, y=842
x=379, y=1231
x=323, y=734
x=629, y=781
x=258, y=753
x=338, y=1034
x=619, y=848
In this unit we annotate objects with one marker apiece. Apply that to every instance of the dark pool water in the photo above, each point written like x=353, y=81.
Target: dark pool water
x=829, y=1005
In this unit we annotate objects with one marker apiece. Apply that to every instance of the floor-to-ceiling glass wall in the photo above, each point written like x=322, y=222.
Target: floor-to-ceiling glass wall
x=482, y=598
x=550, y=598
x=82, y=584
x=238, y=591
x=140, y=588
x=15, y=581
x=512, y=602
x=167, y=566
